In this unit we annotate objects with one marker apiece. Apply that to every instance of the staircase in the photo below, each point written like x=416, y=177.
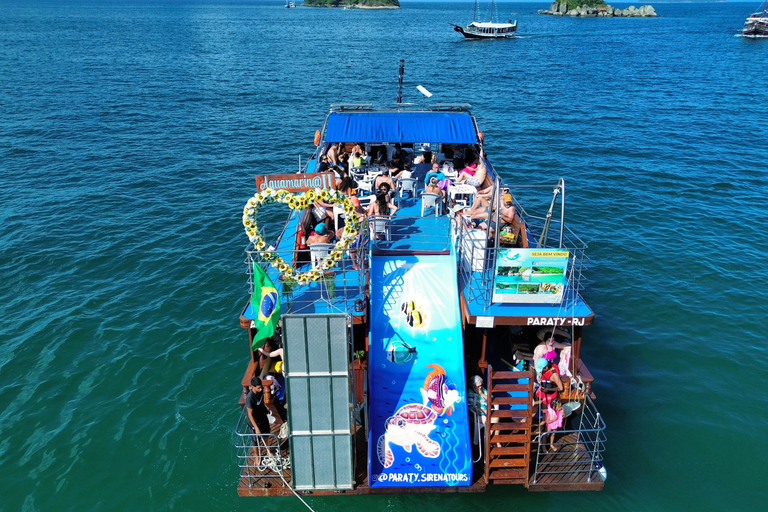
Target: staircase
x=508, y=435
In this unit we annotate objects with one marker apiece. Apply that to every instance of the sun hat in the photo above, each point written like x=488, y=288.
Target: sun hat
x=558, y=332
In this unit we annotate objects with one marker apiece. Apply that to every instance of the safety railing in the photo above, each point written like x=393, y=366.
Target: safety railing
x=477, y=262
x=332, y=288
x=409, y=234
x=260, y=457
x=578, y=451
x=478, y=252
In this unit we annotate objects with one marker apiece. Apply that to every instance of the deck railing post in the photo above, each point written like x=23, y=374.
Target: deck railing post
x=594, y=449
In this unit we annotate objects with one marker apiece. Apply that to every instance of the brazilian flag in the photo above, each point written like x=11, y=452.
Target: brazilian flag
x=266, y=303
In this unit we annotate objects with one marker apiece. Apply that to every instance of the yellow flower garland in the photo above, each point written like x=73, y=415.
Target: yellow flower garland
x=300, y=202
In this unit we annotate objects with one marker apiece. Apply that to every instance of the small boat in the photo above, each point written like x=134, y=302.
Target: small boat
x=756, y=24
x=288, y=5
x=487, y=30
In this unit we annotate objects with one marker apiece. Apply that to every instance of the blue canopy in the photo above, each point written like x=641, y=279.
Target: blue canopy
x=432, y=127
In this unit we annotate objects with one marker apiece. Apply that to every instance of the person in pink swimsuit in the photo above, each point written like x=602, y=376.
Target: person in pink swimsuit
x=555, y=417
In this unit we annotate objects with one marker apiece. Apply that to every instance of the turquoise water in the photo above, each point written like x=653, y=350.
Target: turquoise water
x=130, y=133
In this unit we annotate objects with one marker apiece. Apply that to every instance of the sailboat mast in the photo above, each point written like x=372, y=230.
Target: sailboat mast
x=474, y=12
x=493, y=4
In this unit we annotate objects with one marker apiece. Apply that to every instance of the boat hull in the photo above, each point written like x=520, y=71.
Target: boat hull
x=756, y=25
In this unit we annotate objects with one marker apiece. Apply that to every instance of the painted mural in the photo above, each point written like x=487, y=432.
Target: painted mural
x=419, y=434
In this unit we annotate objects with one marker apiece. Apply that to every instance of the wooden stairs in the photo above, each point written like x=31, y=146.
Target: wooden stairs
x=508, y=436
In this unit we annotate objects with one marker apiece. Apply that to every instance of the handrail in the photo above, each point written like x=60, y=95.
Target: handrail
x=592, y=439
x=477, y=257
x=487, y=455
x=259, y=456
x=340, y=287
x=420, y=238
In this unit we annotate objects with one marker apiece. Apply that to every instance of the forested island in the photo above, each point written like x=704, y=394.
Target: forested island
x=355, y=4
x=596, y=8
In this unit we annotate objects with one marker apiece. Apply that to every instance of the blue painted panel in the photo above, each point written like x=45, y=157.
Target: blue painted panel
x=419, y=432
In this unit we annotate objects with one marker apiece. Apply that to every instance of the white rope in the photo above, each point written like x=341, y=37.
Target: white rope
x=295, y=493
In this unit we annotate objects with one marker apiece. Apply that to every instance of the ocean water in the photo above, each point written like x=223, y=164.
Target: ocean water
x=130, y=133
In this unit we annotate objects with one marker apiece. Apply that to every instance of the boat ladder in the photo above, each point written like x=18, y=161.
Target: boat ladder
x=508, y=435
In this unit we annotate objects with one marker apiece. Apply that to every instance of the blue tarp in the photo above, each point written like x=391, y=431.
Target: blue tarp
x=419, y=432
x=431, y=127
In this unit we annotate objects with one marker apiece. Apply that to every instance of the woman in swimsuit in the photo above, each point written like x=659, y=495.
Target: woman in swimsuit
x=546, y=348
x=474, y=176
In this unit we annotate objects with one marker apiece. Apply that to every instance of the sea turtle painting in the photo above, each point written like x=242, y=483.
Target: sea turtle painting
x=410, y=426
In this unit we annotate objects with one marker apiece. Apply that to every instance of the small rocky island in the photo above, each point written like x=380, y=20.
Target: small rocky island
x=354, y=4
x=595, y=9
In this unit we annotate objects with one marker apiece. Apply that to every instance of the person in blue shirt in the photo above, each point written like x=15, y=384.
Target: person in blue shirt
x=436, y=172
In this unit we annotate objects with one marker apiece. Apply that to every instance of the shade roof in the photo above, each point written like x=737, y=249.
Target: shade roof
x=433, y=127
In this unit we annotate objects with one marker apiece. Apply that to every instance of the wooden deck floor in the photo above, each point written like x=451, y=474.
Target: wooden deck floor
x=565, y=470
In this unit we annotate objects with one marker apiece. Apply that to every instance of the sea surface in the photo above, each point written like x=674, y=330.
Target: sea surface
x=130, y=134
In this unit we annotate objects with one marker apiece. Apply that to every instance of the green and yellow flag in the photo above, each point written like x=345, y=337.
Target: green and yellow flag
x=266, y=303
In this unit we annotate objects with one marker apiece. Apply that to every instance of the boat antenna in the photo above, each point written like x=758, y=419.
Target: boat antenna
x=400, y=81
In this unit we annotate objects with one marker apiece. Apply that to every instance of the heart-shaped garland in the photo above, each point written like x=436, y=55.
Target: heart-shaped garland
x=300, y=202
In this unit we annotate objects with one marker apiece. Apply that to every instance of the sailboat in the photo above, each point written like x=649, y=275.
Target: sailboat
x=487, y=30
x=757, y=23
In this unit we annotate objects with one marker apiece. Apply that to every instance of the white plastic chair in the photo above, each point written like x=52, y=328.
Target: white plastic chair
x=379, y=226
x=365, y=202
x=429, y=200
x=318, y=252
x=407, y=185
x=365, y=184
x=338, y=211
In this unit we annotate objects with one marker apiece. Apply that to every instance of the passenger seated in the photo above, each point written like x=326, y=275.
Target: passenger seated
x=442, y=181
x=321, y=235
x=474, y=174
x=273, y=404
x=384, y=177
x=381, y=206
x=397, y=165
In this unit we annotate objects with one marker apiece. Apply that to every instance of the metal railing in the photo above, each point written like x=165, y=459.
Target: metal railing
x=409, y=234
x=259, y=457
x=477, y=253
x=338, y=289
x=579, y=450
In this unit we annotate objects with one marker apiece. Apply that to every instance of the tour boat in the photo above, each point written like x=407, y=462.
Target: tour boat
x=487, y=30
x=384, y=331
x=756, y=24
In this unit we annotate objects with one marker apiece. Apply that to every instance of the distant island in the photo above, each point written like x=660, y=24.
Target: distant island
x=355, y=4
x=596, y=8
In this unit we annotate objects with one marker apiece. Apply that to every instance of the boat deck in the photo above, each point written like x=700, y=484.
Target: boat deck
x=566, y=470
x=269, y=483
x=475, y=304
